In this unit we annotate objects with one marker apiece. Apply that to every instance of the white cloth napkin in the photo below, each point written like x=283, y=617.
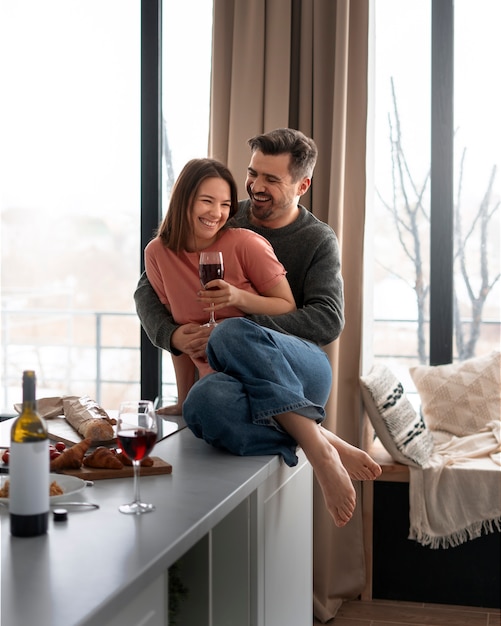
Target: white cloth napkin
x=457, y=496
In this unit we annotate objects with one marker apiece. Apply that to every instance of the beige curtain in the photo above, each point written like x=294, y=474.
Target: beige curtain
x=303, y=64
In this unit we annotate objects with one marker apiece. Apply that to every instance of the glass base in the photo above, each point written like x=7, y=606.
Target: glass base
x=136, y=508
x=209, y=325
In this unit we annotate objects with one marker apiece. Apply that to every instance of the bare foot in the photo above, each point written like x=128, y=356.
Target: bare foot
x=359, y=465
x=337, y=488
x=174, y=409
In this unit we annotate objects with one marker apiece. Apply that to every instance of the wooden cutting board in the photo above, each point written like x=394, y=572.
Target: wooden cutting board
x=95, y=473
x=60, y=430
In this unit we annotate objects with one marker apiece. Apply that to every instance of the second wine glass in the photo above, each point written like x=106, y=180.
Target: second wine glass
x=210, y=267
x=136, y=435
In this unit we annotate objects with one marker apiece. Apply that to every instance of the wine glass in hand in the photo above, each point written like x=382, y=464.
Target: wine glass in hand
x=136, y=435
x=210, y=268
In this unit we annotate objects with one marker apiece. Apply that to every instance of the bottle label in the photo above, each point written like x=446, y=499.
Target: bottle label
x=29, y=478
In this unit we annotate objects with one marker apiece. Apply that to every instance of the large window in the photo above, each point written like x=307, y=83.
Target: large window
x=71, y=191
x=175, y=98
x=477, y=177
x=409, y=155
x=186, y=71
x=69, y=205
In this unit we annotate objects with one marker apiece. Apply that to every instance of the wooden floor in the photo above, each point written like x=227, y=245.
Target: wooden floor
x=388, y=613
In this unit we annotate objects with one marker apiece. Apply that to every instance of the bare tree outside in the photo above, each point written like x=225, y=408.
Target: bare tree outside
x=408, y=207
x=474, y=268
x=167, y=157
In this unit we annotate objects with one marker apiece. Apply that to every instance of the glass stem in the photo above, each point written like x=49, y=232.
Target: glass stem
x=137, y=466
x=212, y=319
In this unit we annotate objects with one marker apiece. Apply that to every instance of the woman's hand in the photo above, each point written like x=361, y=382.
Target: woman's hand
x=220, y=294
x=274, y=301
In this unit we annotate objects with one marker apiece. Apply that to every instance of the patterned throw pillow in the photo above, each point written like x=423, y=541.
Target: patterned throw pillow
x=400, y=429
x=460, y=398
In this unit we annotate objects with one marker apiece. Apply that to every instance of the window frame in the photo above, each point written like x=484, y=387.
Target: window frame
x=151, y=169
x=442, y=183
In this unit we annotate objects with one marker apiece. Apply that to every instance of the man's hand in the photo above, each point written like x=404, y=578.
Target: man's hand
x=191, y=339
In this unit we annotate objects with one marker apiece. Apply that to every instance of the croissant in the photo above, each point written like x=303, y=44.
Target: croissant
x=146, y=462
x=103, y=458
x=72, y=457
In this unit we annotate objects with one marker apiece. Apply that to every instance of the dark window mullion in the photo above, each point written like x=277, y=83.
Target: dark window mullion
x=441, y=213
x=151, y=167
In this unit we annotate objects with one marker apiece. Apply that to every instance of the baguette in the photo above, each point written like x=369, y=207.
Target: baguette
x=96, y=430
x=88, y=419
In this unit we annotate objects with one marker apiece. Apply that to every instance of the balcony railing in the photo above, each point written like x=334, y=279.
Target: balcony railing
x=97, y=353
x=72, y=351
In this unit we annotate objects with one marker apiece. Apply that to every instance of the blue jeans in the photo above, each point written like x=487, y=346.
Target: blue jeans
x=259, y=373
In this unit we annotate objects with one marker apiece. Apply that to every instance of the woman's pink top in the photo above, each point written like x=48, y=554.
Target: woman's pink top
x=249, y=263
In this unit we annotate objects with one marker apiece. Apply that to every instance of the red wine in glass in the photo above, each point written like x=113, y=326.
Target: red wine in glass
x=137, y=444
x=136, y=434
x=210, y=271
x=211, y=267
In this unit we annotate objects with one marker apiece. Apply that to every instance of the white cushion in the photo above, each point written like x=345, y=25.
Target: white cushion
x=401, y=430
x=460, y=398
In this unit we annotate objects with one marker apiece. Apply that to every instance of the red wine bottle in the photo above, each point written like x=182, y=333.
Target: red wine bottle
x=29, y=467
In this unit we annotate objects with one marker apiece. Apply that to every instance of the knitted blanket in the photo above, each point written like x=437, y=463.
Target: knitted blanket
x=457, y=496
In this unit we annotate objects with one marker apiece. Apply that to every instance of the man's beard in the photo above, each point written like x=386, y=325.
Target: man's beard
x=260, y=212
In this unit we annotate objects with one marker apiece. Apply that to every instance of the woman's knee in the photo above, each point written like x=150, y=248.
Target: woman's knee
x=207, y=397
x=231, y=328
x=231, y=341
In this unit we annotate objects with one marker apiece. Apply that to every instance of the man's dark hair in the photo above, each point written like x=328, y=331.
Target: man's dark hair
x=302, y=149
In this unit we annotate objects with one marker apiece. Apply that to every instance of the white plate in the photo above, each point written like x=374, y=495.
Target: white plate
x=69, y=484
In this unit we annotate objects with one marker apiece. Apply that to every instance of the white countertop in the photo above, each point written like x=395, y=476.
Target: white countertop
x=83, y=571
